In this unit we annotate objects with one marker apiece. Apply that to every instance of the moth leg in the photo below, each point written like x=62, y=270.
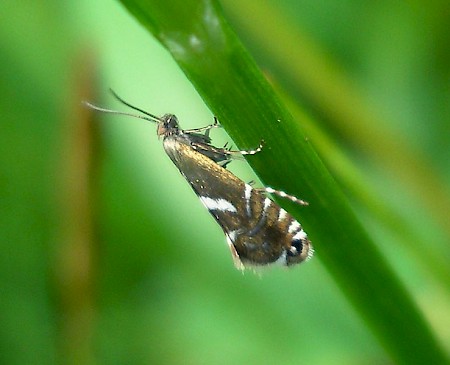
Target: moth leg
x=219, y=155
x=206, y=129
x=282, y=194
x=227, y=151
x=224, y=163
x=222, y=156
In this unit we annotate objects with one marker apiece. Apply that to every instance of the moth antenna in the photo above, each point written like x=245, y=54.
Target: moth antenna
x=150, y=117
x=132, y=106
x=110, y=111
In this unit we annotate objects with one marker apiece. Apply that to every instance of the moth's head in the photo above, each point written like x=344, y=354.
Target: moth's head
x=167, y=125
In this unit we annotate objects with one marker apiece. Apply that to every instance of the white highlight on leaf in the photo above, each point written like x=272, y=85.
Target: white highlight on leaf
x=221, y=205
x=195, y=42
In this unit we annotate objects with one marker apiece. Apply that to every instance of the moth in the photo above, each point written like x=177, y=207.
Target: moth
x=258, y=231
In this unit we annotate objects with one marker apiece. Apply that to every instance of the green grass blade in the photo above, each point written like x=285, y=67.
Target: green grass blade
x=214, y=60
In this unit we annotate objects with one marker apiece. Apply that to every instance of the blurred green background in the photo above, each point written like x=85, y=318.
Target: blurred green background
x=107, y=255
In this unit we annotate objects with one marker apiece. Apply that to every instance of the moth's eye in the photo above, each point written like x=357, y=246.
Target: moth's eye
x=172, y=121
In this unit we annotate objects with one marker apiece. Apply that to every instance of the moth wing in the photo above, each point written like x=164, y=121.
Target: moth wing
x=258, y=230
